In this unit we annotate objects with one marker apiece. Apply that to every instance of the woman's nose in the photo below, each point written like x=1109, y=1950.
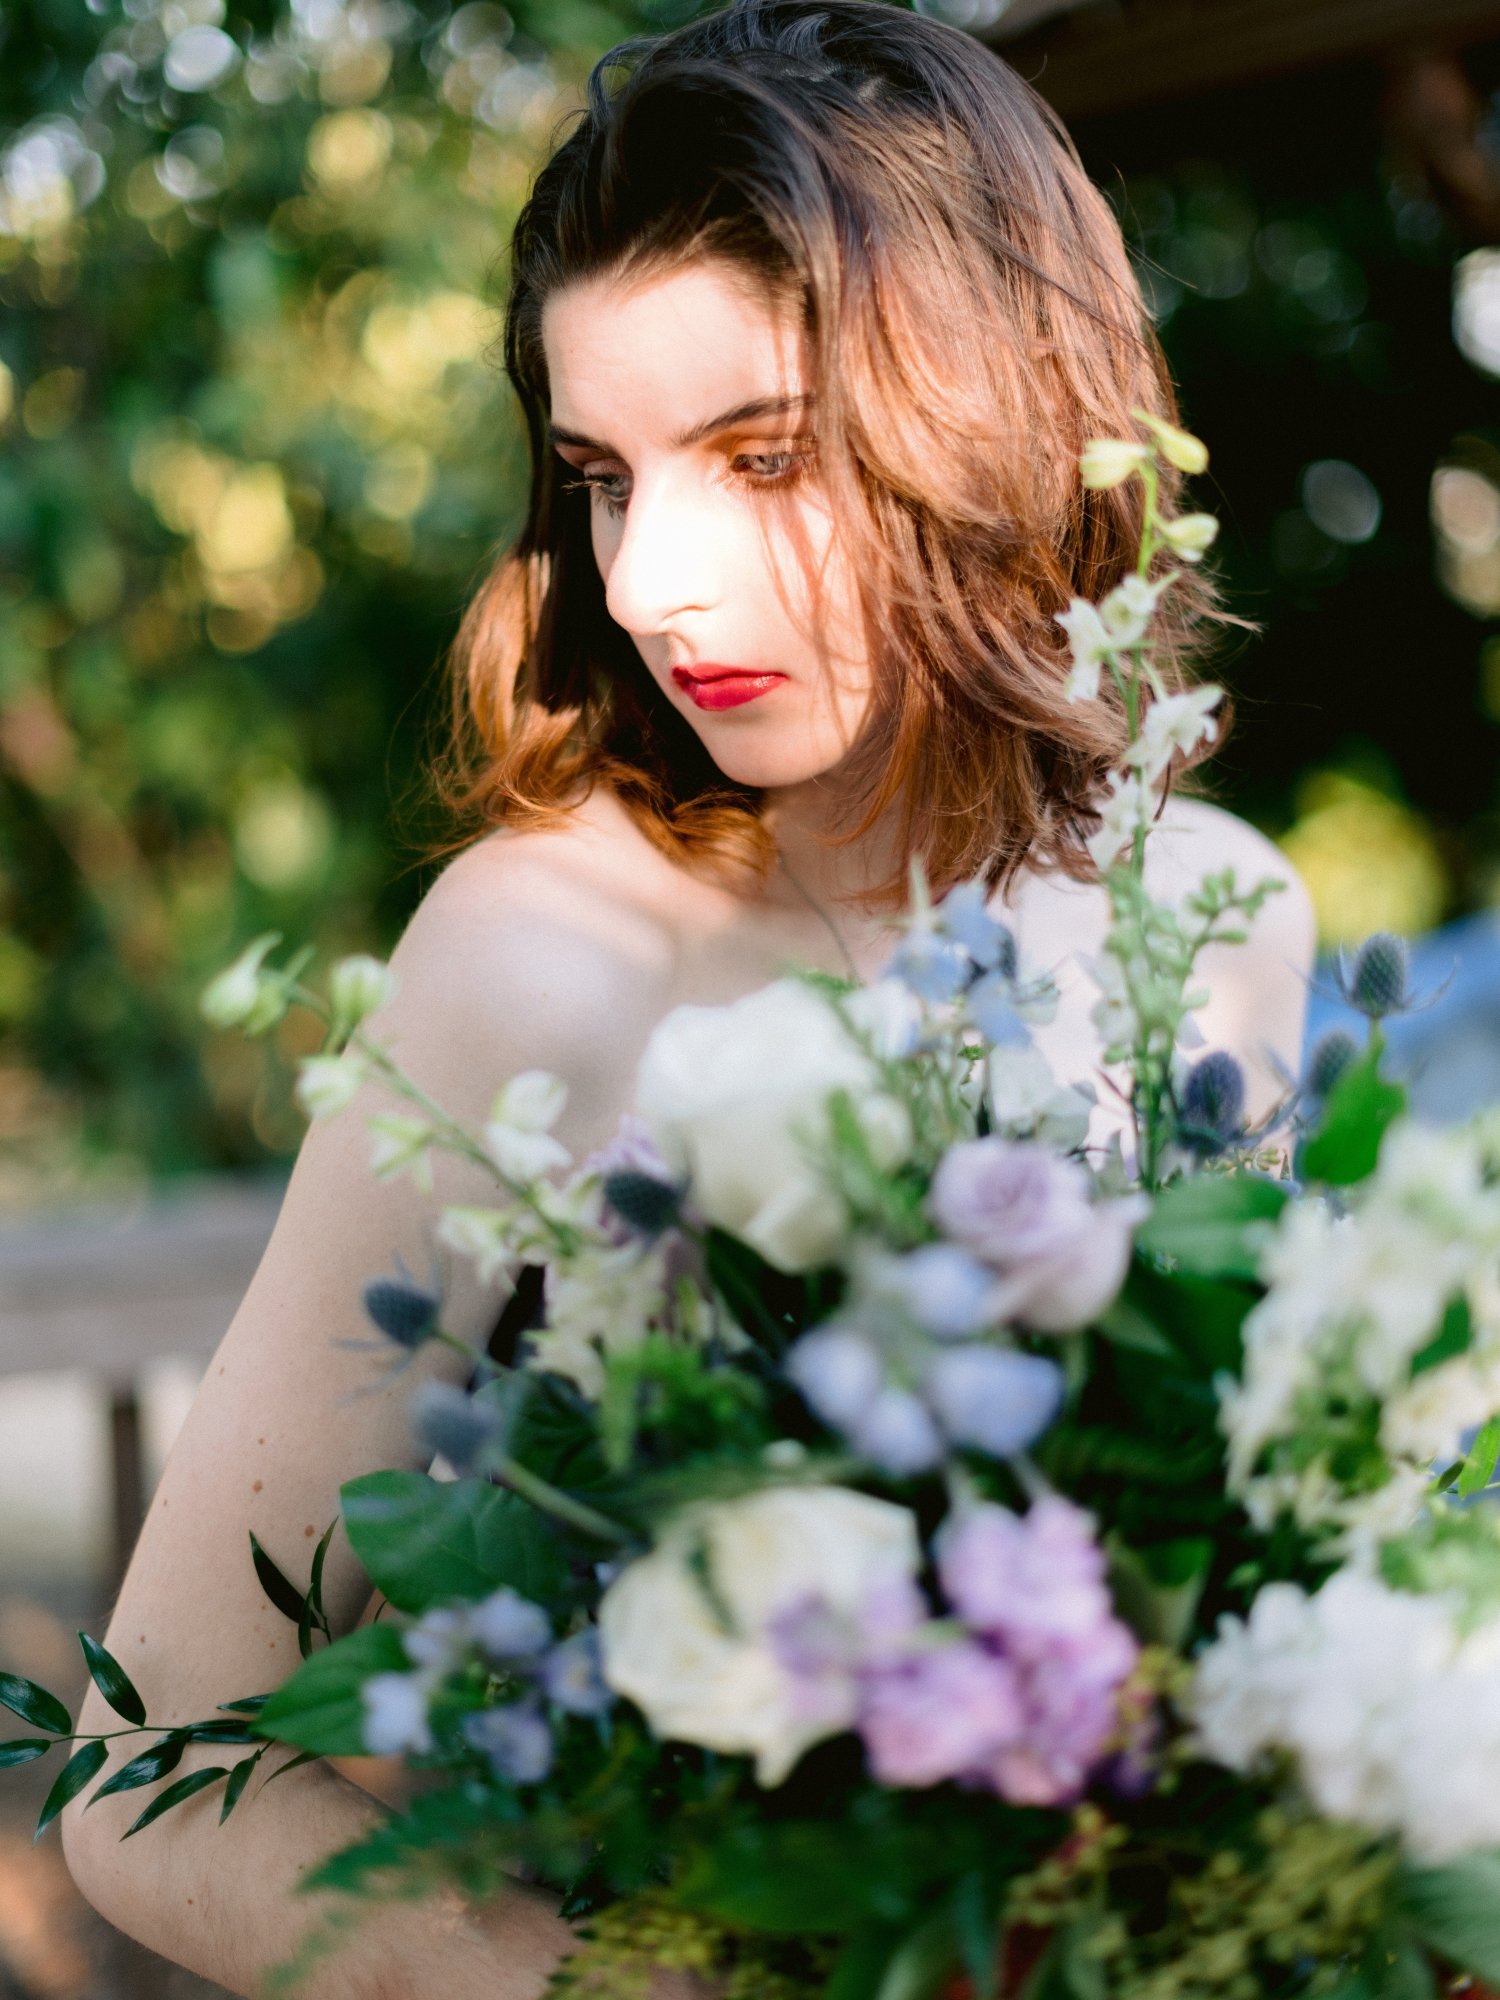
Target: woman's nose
x=666, y=559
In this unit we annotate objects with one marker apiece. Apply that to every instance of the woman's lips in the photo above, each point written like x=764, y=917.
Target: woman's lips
x=719, y=687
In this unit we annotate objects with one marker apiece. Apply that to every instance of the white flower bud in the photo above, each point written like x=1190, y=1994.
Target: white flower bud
x=1110, y=462
x=327, y=1085
x=531, y=1102
x=241, y=995
x=1191, y=535
x=358, y=986
x=1178, y=447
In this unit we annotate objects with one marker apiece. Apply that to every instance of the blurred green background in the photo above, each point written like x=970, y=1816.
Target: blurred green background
x=254, y=452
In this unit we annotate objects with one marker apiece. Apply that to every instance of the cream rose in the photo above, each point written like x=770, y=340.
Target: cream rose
x=737, y=1098
x=694, y=1652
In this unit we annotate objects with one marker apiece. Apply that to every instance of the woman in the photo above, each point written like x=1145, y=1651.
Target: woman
x=810, y=317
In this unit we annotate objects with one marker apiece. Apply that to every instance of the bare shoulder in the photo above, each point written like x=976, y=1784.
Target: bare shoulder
x=538, y=948
x=1196, y=838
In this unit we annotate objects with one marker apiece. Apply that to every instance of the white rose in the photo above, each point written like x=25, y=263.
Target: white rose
x=737, y=1098
x=699, y=1663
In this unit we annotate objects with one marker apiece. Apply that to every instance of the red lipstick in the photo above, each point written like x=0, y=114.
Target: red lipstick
x=710, y=686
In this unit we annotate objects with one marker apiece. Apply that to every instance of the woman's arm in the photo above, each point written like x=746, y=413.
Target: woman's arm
x=512, y=963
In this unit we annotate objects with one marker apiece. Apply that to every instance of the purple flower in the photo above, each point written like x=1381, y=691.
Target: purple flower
x=1061, y=1257
x=450, y=1423
x=964, y=914
x=1071, y=1699
x=507, y=1627
x=1030, y=1579
x=993, y=1398
x=939, y=1713
x=933, y=966
x=571, y=1676
x=515, y=1739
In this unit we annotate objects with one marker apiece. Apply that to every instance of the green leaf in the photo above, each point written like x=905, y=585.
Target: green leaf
x=283, y=1593
x=163, y=1756
x=177, y=1795
x=1361, y=1106
x=239, y=1777
x=252, y=1704
x=34, y=1705
x=1479, y=1461
x=319, y=1707
x=1127, y=1326
x=923, y=1964
x=1453, y=1337
x=293, y=1764
x=81, y=1768
x=112, y=1680
x=24, y=1750
x=423, y=1541
x=1210, y=1225
x=861, y=1965
x=1455, y=1910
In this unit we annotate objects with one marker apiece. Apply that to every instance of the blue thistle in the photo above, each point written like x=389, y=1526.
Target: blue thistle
x=452, y=1424
x=1378, y=982
x=1212, y=1112
x=1329, y=1057
x=643, y=1203
x=401, y=1309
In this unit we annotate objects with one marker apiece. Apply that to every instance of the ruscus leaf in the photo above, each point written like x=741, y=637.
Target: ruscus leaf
x=239, y=1777
x=112, y=1680
x=24, y=1750
x=34, y=1705
x=177, y=1795
x=163, y=1756
x=282, y=1592
x=82, y=1767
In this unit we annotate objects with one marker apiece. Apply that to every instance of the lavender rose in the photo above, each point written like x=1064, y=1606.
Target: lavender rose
x=1061, y=1256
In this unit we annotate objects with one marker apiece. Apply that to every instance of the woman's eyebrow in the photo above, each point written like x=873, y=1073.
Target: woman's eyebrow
x=742, y=413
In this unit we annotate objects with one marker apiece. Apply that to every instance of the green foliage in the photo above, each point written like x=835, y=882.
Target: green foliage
x=1455, y=1910
x=423, y=1540
x=319, y=1707
x=82, y=1767
x=1209, y=1224
x=34, y=1705
x=1361, y=1107
x=112, y=1680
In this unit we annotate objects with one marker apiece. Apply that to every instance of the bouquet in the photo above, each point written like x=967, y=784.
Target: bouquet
x=917, y=1554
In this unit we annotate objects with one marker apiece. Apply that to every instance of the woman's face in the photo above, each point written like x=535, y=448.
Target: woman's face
x=681, y=401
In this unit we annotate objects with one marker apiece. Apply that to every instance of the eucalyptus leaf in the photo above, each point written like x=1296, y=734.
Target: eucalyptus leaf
x=112, y=1680
x=424, y=1541
x=177, y=1795
x=319, y=1707
x=81, y=1769
x=34, y=1705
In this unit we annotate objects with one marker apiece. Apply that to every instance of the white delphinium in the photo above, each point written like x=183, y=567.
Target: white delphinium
x=1351, y=1303
x=602, y=1301
x=1027, y=1102
x=1174, y=726
x=1126, y=809
x=518, y=1137
x=1389, y=1706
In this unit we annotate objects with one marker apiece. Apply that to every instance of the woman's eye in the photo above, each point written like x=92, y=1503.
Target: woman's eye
x=769, y=468
x=611, y=488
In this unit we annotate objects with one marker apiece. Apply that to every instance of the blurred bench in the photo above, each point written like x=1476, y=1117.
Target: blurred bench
x=112, y=1288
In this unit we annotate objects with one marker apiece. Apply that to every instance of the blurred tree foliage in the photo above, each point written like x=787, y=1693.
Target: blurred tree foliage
x=254, y=453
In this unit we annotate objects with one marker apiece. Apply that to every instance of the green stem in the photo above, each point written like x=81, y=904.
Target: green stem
x=549, y=1499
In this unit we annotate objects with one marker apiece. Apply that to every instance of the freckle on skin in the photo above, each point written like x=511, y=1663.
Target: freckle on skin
x=309, y=1529
x=257, y=1486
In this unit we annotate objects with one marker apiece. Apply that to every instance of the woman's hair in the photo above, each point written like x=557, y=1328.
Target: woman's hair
x=971, y=319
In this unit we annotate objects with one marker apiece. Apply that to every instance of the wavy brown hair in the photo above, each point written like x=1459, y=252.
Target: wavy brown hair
x=971, y=319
